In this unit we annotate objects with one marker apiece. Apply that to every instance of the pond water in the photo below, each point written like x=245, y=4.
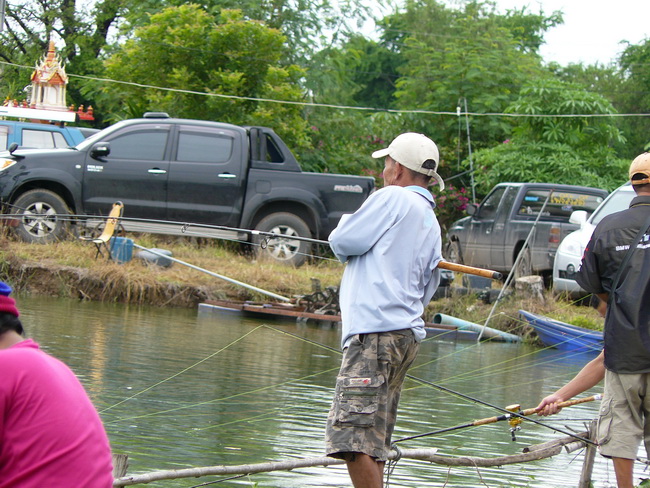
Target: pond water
x=177, y=388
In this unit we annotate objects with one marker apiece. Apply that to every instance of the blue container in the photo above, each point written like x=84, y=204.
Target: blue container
x=121, y=249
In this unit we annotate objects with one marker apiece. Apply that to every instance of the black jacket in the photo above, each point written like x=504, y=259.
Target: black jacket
x=627, y=325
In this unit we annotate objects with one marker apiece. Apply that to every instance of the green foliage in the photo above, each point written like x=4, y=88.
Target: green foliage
x=470, y=54
x=340, y=143
x=361, y=72
x=184, y=49
x=633, y=97
x=547, y=147
x=304, y=23
x=547, y=162
x=547, y=102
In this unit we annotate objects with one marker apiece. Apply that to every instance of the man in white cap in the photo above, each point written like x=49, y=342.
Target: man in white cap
x=625, y=361
x=392, y=246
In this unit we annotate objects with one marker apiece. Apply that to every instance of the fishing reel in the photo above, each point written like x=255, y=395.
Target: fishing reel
x=514, y=420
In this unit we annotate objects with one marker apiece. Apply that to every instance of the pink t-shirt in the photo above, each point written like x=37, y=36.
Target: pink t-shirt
x=50, y=433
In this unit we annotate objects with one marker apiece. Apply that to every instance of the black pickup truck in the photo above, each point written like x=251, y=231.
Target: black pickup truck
x=494, y=233
x=169, y=172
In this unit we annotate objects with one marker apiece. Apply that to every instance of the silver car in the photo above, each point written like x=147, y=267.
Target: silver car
x=569, y=253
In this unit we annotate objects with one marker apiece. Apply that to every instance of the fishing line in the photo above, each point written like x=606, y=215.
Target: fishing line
x=180, y=372
x=447, y=390
x=185, y=229
x=219, y=400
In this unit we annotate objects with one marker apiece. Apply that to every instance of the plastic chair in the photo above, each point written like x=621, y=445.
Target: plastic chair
x=112, y=223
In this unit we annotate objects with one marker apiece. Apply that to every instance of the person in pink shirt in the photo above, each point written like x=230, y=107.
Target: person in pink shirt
x=50, y=433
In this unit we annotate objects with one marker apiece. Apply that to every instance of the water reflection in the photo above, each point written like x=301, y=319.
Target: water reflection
x=177, y=389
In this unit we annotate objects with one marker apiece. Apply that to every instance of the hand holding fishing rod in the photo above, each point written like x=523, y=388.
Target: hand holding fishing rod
x=515, y=418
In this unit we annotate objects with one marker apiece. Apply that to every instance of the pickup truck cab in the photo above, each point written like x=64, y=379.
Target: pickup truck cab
x=43, y=136
x=179, y=177
x=495, y=231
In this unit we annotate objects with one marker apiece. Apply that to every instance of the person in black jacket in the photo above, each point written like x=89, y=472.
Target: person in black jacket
x=623, y=282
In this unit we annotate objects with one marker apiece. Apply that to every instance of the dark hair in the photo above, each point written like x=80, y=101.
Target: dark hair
x=642, y=187
x=9, y=322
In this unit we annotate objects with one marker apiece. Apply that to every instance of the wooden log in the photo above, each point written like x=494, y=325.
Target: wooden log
x=550, y=449
x=561, y=441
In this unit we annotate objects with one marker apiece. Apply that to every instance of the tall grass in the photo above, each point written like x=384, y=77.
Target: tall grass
x=69, y=268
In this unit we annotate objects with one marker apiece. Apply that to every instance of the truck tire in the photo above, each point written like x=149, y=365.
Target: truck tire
x=284, y=249
x=41, y=220
x=453, y=253
x=525, y=266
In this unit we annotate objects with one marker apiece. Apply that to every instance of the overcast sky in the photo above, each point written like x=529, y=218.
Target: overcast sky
x=592, y=29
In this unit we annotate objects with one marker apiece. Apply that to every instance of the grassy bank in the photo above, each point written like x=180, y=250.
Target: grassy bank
x=69, y=269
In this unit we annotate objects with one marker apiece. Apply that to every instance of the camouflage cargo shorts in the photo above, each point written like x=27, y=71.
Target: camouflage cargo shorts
x=368, y=387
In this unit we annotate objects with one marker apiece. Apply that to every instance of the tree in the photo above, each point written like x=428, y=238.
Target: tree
x=31, y=24
x=633, y=97
x=472, y=55
x=306, y=24
x=206, y=70
x=549, y=146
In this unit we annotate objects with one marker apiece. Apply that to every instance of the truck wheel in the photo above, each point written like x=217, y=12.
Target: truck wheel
x=453, y=253
x=41, y=220
x=284, y=249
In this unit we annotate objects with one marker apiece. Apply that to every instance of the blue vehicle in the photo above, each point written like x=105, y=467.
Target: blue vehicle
x=40, y=136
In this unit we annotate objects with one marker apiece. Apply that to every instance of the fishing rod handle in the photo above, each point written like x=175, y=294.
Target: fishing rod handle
x=461, y=268
x=568, y=403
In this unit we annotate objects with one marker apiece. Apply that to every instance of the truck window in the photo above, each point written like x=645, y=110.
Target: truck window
x=204, y=147
x=490, y=205
x=42, y=139
x=273, y=153
x=140, y=145
x=560, y=205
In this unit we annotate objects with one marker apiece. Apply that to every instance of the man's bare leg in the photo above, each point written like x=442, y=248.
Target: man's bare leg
x=624, y=469
x=365, y=471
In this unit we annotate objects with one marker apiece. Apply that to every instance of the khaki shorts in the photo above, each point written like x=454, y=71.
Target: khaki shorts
x=622, y=424
x=368, y=388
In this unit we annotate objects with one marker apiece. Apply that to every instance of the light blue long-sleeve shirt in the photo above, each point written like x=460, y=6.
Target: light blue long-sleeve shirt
x=392, y=246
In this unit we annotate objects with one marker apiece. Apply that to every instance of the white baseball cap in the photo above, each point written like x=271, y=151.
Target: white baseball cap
x=414, y=151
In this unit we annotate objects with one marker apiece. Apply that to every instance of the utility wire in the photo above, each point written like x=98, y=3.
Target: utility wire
x=339, y=107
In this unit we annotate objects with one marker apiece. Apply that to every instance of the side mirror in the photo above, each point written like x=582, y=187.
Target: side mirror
x=12, y=147
x=578, y=217
x=100, y=150
x=471, y=209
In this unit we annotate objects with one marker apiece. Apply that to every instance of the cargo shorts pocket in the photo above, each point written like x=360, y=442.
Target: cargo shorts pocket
x=358, y=400
x=605, y=420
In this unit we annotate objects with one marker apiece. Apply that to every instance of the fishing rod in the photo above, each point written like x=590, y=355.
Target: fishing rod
x=514, y=421
x=185, y=227
x=515, y=413
x=215, y=275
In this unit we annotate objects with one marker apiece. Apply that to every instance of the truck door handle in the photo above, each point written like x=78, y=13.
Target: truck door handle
x=226, y=175
x=156, y=171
